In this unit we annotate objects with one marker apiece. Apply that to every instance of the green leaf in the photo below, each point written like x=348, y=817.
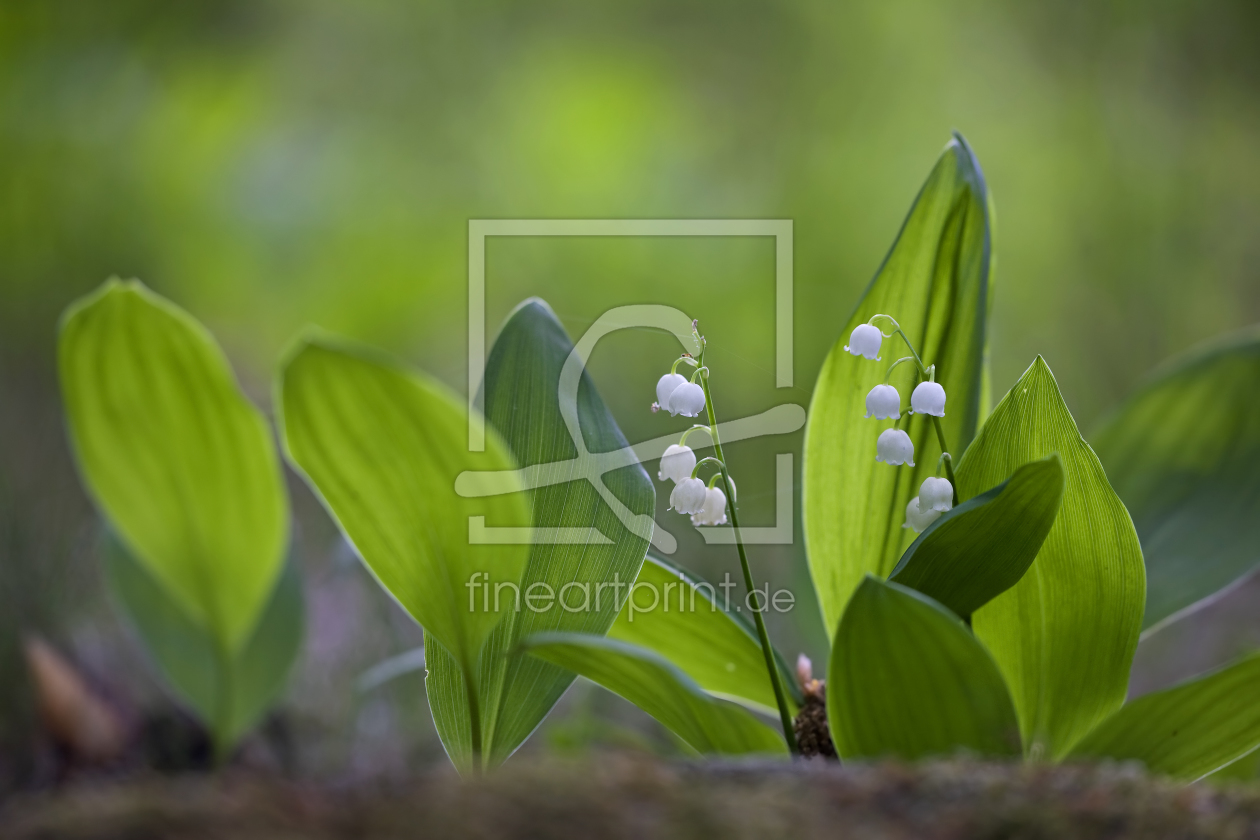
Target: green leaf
x=521, y=396
x=935, y=282
x=382, y=446
x=184, y=652
x=177, y=459
x=684, y=619
x=1064, y=635
x=982, y=548
x=1184, y=455
x=652, y=683
x=1187, y=731
x=908, y=679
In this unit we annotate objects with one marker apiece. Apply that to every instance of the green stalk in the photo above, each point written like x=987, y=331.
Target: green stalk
x=785, y=716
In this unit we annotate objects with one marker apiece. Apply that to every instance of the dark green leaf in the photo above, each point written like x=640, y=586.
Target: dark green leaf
x=1187, y=731
x=908, y=679
x=1184, y=455
x=981, y=548
x=521, y=398
x=652, y=683
x=1064, y=635
x=685, y=620
x=184, y=652
x=935, y=282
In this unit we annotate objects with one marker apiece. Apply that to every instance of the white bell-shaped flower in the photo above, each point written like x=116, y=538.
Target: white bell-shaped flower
x=894, y=447
x=687, y=400
x=883, y=403
x=865, y=341
x=928, y=398
x=916, y=519
x=714, y=510
x=936, y=494
x=688, y=496
x=677, y=463
x=666, y=385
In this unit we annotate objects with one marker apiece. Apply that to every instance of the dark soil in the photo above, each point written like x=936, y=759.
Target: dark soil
x=618, y=796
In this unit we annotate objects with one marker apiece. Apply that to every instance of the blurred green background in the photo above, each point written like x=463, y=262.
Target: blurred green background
x=272, y=164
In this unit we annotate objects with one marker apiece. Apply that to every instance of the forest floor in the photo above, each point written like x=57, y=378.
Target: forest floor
x=618, y=796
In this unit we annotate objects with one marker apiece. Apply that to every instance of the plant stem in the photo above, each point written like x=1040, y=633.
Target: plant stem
x=949, y=462
x=474, y=720
x=936, y=421
x=785, y=716
x=223, y=704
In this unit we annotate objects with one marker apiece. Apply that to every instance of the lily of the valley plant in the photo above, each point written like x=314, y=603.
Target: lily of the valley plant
x=980, y=570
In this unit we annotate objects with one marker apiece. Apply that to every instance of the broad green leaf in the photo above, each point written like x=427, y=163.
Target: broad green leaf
x=686, y=620
x=177, y=459
x=184, y=652
x=1187, y=731
x=381, y=446
x=1064, y=635
x=935, y=282
x=652, y=683
x=1184, y=455
x=908, y=679
x=981, y=548
x=521, y=395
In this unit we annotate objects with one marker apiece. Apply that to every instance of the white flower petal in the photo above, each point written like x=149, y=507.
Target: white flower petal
x=687, y=400
x=894, y=447
x=865, y=341
x=916, y=520
x=688, y=496
x=677, y=463
x=714, y=510
x=928, y=398
x=666, y=385
x=883, y=403
x=936, y=494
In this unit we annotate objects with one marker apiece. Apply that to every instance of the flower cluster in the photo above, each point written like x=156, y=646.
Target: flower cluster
x=675, y=393
x=894, y=445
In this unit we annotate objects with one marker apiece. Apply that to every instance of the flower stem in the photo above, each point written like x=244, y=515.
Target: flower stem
x=785, y=716
x=949, y=462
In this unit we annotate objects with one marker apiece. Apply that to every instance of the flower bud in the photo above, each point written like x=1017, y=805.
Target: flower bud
x=714, y=510
x=883, y=403
x=688, y=496
x=894, y=447
x=677, y=463
x=936, y=494
x=928, y=398
x=865, y=341
x=687, y=400
x=666, y=385
x=916, y=519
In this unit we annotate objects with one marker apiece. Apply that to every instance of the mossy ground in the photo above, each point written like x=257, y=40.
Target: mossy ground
x=618, y=796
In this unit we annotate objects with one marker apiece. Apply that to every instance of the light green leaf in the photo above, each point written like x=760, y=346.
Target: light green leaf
x=381, y=446
x=522, y=401
x=184, y=652
x=982, y=548
x=1184, y=455
x=1187, y=731
x=652, y=683
x=908, y=679
x=684, y=619
x=935, y=282
x=178, y=461
x=1064, y=635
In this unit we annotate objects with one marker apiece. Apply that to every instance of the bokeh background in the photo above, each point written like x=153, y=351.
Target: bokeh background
x=269, y=164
